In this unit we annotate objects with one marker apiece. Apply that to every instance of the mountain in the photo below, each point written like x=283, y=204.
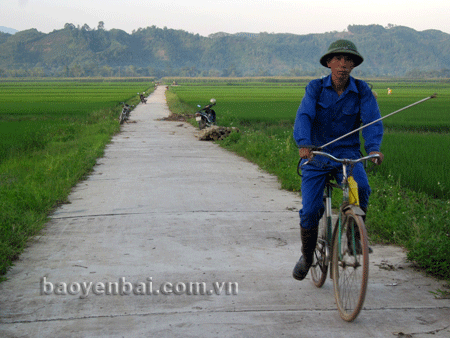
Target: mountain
x=8, y=30
x=153, y=51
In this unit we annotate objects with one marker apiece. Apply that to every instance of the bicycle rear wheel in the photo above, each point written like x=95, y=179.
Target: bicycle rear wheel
x=319, y=267
x=350, y=265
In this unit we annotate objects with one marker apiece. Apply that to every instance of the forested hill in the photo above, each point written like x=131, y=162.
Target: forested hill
x=153, y=51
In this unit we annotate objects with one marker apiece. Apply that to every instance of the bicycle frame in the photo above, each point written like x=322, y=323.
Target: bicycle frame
x=328, y=193
x=344, y=186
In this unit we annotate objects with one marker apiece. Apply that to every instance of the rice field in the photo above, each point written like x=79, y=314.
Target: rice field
x=416, y=142
x=38, y=99
x=35, y=113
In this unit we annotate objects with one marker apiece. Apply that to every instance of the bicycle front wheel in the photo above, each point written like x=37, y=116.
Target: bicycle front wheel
x=350, y=265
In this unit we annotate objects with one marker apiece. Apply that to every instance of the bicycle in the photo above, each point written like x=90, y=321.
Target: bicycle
x=345, y=249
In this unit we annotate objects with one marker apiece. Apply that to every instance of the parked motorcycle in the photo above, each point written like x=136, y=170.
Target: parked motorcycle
x=206, y=116
x=143, y=99
x=125, y=114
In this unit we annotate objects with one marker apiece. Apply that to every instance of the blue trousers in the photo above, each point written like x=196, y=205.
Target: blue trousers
x=313, y=185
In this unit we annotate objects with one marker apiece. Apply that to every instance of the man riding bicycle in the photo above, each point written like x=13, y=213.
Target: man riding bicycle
x=333, y=106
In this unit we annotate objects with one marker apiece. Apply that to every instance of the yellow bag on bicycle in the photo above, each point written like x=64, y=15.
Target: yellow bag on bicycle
x=353, y=196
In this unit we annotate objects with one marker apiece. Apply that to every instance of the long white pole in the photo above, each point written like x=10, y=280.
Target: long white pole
x=368, y=124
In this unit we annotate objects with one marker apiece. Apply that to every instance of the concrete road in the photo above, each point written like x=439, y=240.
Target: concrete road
x=165, y=216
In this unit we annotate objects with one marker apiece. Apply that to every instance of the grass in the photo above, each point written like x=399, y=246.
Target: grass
x=410, y=202
x=419, y=161
x=44, y=153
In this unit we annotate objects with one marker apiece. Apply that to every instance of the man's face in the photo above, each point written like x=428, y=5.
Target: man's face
x=341, y=65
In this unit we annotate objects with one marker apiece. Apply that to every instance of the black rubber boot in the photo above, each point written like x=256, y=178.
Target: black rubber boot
x=309, y=240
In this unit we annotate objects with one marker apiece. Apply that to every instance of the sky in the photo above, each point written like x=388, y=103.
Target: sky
x=231, y=16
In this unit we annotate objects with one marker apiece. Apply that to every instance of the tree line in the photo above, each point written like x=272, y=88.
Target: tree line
x=76, y=51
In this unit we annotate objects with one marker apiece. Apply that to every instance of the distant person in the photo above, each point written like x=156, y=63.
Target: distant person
x=389, y=91
x=333, y=106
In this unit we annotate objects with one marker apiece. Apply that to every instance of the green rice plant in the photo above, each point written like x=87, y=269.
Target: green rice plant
x=420, y=161
x=431, y=116
x=37, y=99
x=247, y=103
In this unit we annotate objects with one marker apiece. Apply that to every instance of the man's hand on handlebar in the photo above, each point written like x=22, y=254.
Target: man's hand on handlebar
x=305, y=153
x=377, y=160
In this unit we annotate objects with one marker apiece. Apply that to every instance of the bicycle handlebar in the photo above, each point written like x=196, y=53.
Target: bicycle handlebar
x=344, y=161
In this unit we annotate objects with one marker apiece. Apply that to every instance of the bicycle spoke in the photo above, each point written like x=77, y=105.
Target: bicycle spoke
x=349, y=282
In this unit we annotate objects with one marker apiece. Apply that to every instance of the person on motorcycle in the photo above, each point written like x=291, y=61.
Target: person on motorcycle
x=333, y=106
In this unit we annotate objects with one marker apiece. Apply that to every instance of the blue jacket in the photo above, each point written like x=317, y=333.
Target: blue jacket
x=324, y=116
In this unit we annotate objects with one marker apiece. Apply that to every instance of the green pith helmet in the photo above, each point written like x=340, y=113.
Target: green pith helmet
x=342, y=47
